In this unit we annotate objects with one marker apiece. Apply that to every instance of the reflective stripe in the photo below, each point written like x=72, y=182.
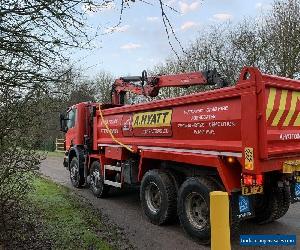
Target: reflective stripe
x=295, y=98
x=281, y=108
x=271, y=100
x=110, y=145
x=284, y=102
x=193, y=151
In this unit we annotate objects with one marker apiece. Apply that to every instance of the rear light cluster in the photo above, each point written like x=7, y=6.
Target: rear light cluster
x=252, y=180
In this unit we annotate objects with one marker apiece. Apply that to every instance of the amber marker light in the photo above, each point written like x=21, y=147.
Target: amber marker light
x=230, y=159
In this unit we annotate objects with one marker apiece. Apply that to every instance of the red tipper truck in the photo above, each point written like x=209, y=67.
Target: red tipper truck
x=243, y=139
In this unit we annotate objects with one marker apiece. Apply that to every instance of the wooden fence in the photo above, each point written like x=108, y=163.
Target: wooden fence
x=60, y=145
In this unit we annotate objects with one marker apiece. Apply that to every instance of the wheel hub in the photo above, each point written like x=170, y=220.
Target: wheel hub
x=95, y=178
x=74, y=172
x=153, y=197
x=197, y=210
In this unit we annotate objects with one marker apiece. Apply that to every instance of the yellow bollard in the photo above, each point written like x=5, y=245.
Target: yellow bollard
x=219, y=221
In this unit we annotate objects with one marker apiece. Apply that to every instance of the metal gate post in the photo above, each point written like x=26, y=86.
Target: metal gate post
x=219, y=221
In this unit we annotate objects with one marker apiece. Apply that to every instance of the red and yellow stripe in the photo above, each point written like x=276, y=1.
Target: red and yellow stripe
x=283, y=108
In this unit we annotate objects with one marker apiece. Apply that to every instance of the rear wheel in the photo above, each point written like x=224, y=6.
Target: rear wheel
x=97, y=185
x=158, y=197
x=272, y=205
x=76, y=173
x=285, y=201
x=193, y=207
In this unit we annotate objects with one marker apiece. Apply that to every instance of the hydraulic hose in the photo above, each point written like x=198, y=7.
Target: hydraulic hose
x=110, y=133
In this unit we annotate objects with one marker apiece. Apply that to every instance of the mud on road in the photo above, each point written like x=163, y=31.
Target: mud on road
x=123, y=209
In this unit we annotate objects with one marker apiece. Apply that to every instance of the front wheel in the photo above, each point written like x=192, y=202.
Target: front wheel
x=97, y=185
x=76, y=173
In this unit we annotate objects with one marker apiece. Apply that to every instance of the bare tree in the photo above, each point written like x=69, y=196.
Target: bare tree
x=270, y=42
x=102, y=84
x=282, y=33
x=35, y=37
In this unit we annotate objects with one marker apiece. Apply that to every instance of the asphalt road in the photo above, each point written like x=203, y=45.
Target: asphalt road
x=123, y=209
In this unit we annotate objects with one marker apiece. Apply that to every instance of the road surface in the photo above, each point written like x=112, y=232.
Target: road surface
x=123, y=209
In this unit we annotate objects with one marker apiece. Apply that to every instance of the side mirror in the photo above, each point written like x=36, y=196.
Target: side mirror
x=63, y=124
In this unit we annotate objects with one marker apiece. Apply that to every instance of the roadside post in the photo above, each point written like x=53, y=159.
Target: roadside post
x=219, y=221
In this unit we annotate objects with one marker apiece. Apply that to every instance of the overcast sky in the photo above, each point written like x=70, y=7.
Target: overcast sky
x=140, y=41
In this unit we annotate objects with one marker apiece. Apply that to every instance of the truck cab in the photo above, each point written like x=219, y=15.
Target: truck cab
x=75, y=122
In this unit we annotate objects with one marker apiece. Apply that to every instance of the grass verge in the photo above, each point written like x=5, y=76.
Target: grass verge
x=51, y=154
x=69, y=222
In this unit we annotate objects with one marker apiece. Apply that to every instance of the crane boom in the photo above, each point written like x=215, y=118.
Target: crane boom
x=150, y=86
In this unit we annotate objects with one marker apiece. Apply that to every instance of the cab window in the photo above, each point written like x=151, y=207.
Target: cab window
x=71, y=118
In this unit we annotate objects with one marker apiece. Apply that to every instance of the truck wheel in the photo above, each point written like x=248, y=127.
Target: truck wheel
x=193, y=207
x=272, y=205
x=76, y=173
x=97, y=185
x=285, y=199
x=234, y=220
x=158, y=197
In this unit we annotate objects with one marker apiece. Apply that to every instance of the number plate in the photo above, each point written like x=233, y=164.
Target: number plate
x=258, y=189
x=297, y=189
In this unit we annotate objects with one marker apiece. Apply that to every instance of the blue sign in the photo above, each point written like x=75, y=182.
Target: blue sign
x=268, y=240
x=297, y=189
x=244, y=204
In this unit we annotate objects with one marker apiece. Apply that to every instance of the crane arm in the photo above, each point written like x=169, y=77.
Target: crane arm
x=150, y=86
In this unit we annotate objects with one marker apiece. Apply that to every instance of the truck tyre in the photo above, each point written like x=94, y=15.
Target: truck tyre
x=285, y=199
x=176, y=178
x=97, y=185
x=234, y=220
x=158, y=197
x=76, y=173
x=193, y=207
x=272, y=205
x=217, y=183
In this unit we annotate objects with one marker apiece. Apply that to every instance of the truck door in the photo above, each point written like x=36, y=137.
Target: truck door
x=71, y=124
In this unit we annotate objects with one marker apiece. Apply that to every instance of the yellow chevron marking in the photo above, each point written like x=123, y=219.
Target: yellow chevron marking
x=297, y=121
x=295, y=98
x=281, y=107
x=271, y=101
